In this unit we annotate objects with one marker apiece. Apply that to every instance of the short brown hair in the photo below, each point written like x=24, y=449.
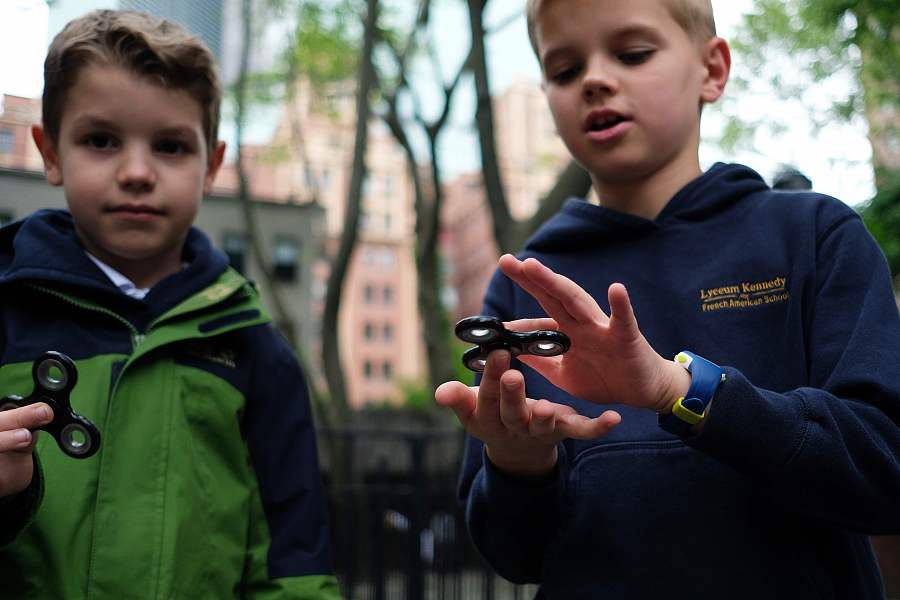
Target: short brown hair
x=146, y=45
x=694, y=16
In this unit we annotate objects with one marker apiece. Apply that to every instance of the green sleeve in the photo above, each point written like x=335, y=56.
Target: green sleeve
x=257, y=583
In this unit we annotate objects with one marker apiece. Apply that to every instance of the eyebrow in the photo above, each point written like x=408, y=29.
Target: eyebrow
x=628, y=31
x=90, y=121
x=96, y=122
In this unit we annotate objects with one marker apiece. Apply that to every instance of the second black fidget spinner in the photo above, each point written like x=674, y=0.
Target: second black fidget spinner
x=54, y=376
x=490, y=334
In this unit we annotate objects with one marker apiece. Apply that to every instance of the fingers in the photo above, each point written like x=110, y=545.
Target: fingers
x=580, y=427
x=553, y=422
x=532, y=324
x=488, y=405
x=15, y=426
x=27, y=417
x=514, y=269
x=514, y=412
x=574, y=300
x=562, y=298
x=17, y=440
x=543, y=420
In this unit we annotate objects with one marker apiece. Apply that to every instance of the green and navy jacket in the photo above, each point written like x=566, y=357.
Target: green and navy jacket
x=206, y=484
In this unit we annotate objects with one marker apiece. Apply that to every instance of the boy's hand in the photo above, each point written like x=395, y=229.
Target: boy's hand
x=17, y=444
x=609, y=360
x=520, y=434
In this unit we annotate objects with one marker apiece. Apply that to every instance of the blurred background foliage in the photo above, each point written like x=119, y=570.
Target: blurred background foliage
x=842, y=56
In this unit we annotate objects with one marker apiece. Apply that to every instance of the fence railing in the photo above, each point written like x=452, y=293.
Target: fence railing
x=398, y=531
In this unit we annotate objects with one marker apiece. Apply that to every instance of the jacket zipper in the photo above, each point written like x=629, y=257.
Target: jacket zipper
x=137, y=338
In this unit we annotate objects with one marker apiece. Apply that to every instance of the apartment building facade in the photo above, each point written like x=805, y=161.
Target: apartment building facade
x=531, y=156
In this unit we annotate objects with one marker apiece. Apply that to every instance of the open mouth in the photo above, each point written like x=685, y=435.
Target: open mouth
x=603, y=123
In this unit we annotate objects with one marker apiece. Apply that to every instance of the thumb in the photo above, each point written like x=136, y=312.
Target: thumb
x=622, y=319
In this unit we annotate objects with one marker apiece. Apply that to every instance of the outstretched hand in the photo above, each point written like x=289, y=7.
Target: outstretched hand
x=609, y=361
x=520, y=434
x=17, y=443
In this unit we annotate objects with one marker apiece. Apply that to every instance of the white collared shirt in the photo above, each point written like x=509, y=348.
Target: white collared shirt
x=125, y=285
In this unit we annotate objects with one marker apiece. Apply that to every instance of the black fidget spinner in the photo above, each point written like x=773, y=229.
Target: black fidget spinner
x=490, y=334
x=54, y=376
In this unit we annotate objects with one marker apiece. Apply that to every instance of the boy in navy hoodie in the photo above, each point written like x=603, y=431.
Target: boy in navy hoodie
x=206, y=483
x=756, y=463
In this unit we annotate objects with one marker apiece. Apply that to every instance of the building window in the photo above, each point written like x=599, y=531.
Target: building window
x=387, y=370
x=284, y=258
x=388, y=332
x=368, y=331
x=7, y=140
x=234, y=245
x=388, y=294
x=387, y=259
x=367, y=369
x=369, y=294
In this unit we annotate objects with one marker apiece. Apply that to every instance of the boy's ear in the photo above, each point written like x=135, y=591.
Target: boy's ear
x=717, y=60
x=48, y=152
x=215, y=161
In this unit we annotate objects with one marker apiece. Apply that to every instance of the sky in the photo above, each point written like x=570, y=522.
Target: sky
x=837, y=160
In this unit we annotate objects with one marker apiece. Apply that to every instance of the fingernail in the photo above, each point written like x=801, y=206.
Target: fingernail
x=44, y=412
x=22, y=436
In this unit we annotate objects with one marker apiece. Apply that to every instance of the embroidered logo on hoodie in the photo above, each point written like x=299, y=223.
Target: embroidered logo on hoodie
x=745, y=294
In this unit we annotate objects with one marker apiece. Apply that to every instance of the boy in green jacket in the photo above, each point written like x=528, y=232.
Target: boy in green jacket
x=207, y=483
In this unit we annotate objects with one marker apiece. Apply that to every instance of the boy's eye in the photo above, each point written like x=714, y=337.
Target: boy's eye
x=564, y=76
x=635, y=57
x=171, y=147
x=100, y=141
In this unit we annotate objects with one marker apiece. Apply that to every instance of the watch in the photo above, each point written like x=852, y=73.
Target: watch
x=690, y=409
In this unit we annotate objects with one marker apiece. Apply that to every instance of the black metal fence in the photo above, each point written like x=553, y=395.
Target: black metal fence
x=397, y=528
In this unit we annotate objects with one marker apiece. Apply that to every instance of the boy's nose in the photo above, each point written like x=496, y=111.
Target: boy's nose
x=598, y=81
x=136, y=172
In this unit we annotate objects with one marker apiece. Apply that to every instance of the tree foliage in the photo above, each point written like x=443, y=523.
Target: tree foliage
x=325, y=48
x=882, y=218
x=840, y=54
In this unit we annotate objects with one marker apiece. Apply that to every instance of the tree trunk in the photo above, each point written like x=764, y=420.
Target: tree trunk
x=334, y=373
x=484, y=119
x=268, y=285
x=509, y=233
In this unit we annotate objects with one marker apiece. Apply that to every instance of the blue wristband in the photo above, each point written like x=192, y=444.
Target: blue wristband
x=690, y=409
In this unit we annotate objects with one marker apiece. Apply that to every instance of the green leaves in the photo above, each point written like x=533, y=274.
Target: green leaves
x=326, y=44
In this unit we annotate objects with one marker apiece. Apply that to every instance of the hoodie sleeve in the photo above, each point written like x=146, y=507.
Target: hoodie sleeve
x=289, y=553
x=511, y=522
x=829, y=451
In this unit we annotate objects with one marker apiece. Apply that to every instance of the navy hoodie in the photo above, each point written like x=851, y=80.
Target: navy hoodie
x=798, y=460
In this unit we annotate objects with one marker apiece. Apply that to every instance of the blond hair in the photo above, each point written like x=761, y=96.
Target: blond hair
x=694, y=16
x=149, y=46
